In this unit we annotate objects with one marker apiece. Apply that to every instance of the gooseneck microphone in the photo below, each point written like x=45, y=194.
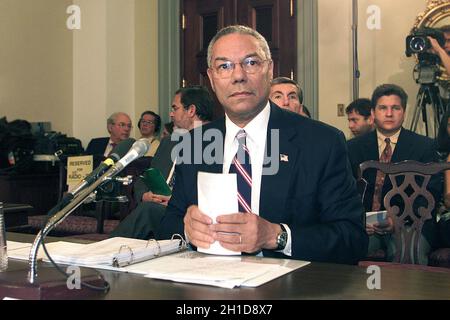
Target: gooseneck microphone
x=138, y=149
x=116, y=154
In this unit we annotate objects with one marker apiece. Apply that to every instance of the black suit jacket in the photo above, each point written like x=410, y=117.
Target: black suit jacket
x=313, y=192
x=410, y=146
x=96, y=148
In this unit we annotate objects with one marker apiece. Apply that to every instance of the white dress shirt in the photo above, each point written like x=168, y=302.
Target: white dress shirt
x=109, y=148
x=256, y=131
x=382, y=141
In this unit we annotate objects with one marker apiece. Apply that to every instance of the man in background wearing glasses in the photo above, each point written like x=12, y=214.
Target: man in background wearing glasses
x=307, y=207
x=119, y=127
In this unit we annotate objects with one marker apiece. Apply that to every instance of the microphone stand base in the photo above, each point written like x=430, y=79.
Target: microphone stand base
x=48, y=285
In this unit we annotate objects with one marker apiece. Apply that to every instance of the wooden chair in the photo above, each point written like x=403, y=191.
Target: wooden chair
x=409, y=181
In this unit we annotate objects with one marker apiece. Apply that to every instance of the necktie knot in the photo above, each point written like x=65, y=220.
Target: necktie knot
x=387, y=140
x=241, y=137
x=242, y=155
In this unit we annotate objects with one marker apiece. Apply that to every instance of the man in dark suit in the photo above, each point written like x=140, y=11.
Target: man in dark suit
x=304, y=203
x=388, y=108
x=287, y=94
x=359, y=116
x=119, y=127
x=191, y=107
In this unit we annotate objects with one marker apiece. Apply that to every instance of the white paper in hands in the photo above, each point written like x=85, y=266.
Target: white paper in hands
x=217, y=195
x=376, y=216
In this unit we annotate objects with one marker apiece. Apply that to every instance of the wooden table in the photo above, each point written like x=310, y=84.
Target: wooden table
x=16, y=215
x=40, y=190
x=315, y=281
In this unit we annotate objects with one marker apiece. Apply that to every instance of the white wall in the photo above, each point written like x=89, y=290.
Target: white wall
x=89, y=71
x=381, y=52
x=36, y=62
x=76, y=78
x=146, y=57
x=115, y=65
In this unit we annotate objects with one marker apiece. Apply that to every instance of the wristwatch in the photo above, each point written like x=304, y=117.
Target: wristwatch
x=282, y=238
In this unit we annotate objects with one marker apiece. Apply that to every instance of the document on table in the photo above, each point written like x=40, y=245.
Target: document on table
x=220, y=271
x=18, y=250
x=13, y=245
x=217, y=195
x=113, y=252
x=185, y=266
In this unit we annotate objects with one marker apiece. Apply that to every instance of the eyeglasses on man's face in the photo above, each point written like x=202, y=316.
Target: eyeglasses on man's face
x=147, y=122
x=250, y=65
x=123, y=125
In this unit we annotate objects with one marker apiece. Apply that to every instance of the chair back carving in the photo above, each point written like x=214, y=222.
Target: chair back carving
x=409, y=181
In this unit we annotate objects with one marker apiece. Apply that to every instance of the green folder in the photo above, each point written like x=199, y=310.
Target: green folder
x=155, y=181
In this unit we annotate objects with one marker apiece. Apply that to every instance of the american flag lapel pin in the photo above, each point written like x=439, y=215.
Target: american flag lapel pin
x=284, y=157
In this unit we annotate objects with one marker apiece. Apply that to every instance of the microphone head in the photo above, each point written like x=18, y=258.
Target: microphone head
x=138, y=149
x=121, y=149
x=141, y=146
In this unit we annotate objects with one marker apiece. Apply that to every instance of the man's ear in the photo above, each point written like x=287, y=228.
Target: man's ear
x=192, y=110
x=210, y=76
x=370, y=119
x=108, y=127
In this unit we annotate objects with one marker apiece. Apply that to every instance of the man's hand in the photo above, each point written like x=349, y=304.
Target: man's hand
x=370, y=229
x=197, y=228
x=245, y=232
x=156, y=198
x=384, y=227
x=443, y=55
x=436, y=47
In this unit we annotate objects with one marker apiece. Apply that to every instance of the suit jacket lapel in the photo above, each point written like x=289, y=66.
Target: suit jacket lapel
x=403, y=147
x=217, y=166
x=370, y=148
x=283, y=153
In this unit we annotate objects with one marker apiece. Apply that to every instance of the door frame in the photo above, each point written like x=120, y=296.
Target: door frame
x=169, y=53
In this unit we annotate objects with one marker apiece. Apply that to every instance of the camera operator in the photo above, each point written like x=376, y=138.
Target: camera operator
x=443, y=53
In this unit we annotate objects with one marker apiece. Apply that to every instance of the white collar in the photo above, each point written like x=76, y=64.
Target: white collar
x=254, y=128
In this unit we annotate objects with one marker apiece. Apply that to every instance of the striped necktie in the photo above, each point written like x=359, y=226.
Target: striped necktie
x=112, y=145
x=242, y=167
x=385, y=157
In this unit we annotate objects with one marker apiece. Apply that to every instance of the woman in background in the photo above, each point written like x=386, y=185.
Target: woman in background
x=149, y=125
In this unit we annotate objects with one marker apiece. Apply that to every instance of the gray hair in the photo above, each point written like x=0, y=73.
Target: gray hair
x=112, y=118
x=241, y=30
x=283, y=80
